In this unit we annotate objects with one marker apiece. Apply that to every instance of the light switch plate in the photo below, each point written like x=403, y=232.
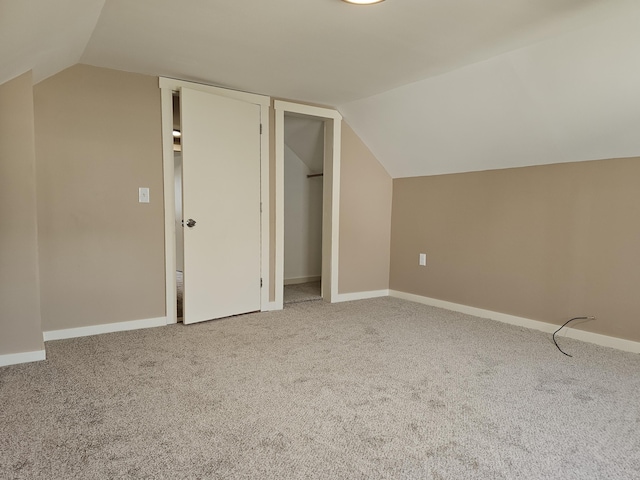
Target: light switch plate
x=423, y=260
x=143, y=195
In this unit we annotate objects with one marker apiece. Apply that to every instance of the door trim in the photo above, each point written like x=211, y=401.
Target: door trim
x=167, y=87
x=331, y=197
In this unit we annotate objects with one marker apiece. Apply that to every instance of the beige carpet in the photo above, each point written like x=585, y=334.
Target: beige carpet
x=378, y=388
x=302, y=292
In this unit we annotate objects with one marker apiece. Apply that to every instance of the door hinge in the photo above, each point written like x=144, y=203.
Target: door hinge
x=260, y=207
x=260, y=129
x=260, y=283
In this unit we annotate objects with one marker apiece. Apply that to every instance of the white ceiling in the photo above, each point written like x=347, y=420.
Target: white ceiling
x=572, y=98
x=323, y=51
x=45, y=36
x=432, y=86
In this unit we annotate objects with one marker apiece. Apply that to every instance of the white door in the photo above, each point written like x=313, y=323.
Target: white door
x=221, y=202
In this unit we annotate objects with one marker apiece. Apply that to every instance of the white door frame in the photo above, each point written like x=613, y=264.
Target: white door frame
x=330, y=202
x=167, y=87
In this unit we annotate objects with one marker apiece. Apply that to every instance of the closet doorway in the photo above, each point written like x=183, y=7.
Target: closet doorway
x=307, y=166
x=303, y=195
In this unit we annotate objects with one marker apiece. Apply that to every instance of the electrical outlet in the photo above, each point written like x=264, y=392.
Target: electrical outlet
x=423, y=260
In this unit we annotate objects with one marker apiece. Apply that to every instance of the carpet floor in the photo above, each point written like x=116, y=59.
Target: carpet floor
x=302, y=292
x=379, y=388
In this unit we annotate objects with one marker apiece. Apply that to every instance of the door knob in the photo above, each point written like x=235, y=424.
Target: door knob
x=191, y=223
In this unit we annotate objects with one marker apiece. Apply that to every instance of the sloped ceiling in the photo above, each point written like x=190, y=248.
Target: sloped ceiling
x=45, y=36
x=323, y=51
x=432, y=86
x=572, y=98
x=305, y=137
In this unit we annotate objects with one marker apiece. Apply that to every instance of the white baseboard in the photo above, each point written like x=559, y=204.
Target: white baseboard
x=598, y=339
x=348, y=297
x=24, y=357
x=105, y=328
x=298, y=280
x=271, y=306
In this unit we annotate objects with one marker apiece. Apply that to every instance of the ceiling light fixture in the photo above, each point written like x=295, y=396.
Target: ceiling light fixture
x=363, y=2
x=177, y=134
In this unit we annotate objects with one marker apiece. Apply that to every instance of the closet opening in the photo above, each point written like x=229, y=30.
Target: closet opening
x=304, y=151
x=329, y=122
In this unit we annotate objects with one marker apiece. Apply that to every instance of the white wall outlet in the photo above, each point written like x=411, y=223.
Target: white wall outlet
x=143, y=195
x=423, y=260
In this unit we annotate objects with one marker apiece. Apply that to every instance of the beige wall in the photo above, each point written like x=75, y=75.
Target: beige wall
x=19, y=296
x=547, y=243
x=365, y=218
x=98, y=138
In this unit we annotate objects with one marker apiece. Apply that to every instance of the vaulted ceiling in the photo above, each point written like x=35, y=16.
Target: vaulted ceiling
x=431, y=86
